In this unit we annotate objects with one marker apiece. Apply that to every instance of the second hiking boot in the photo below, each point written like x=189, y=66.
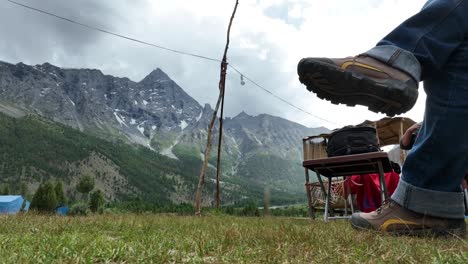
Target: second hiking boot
x=359, y=80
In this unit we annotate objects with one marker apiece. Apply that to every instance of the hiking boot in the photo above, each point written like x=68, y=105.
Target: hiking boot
x=394, y=219
x=360, y=80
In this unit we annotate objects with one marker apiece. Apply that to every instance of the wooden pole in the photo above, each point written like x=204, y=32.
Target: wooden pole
x=218, y=162
x=222, y=82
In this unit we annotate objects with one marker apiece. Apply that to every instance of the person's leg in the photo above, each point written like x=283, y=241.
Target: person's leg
x=438, y=39
x=428, y=195
x=428, y=38
x=432, y=45
x=436, y=165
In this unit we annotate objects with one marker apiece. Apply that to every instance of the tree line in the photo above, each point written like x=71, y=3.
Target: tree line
x=50, y=195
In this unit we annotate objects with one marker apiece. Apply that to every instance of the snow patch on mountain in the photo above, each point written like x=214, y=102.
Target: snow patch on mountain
x=183, y=124
x=256, y=139
x=168, y=152
x=73, y=103
x=141, y=128
x=119, y=119
x=199, y=117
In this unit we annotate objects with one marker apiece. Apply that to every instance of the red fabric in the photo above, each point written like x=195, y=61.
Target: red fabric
x=367, y=189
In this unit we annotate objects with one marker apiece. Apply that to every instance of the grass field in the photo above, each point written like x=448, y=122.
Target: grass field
x=210, y=239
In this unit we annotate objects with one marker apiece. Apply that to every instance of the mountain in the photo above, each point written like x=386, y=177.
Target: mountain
x=258, y=151
x=96, y=103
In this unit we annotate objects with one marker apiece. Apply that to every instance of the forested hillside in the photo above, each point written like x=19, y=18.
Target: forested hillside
x=34, y=149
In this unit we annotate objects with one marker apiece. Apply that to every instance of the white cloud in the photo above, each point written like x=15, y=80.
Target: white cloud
x=295, y=11
x=265, y=47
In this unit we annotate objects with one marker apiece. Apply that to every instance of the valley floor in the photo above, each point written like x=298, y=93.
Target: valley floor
x=211, y=239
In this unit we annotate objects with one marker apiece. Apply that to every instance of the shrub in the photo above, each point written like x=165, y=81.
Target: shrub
x=229, y=210
x=250, y=210
x=79, y=209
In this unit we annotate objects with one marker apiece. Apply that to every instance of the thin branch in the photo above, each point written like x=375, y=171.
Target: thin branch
x=222, y=82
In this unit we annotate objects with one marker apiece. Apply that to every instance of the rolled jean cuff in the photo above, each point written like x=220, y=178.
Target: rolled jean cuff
x=429, y=202
x=398, y=58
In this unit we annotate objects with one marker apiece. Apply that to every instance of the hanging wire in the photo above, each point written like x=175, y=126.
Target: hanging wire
x=278, y=97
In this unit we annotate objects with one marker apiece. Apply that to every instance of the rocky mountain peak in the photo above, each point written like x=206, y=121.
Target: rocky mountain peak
x=207, y=108
x=242, y=115
x=156, y=75
x=47, y=65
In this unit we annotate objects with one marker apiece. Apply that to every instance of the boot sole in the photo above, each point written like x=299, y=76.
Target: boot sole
x=459, y=232
x=391, y=97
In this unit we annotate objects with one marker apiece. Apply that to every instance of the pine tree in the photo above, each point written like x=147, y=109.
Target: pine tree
x=37, y=197
x=97, y=200
x=24, y=190
x=5, y=190
x=61, y=199
x=45, y=198
x=85, y=185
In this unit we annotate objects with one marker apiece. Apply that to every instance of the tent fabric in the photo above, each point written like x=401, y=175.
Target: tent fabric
x=10, y=204
x=63, y=210
x=26, y=206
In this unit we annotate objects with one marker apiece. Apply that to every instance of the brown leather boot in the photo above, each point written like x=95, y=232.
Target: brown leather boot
x=359, y=80
x=394, y=219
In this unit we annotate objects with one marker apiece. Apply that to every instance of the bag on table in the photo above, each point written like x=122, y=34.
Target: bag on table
x=352, y=140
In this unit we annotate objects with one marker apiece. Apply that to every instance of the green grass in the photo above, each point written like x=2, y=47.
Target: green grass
x=211, y=239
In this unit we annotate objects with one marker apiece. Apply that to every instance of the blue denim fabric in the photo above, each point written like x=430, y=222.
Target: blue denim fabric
x=398, y=58
x=438, y=38
x=433, y=34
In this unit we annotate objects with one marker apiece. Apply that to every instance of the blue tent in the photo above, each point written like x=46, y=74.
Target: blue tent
x=27, y=204
x=10, y=204
x=62, y=210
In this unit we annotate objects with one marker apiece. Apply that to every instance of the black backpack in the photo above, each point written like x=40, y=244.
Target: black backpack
x=352, y=140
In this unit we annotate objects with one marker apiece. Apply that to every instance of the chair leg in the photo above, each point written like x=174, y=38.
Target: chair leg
x=345, y=198
x=465, y=192
x=349, y=197
x=309, y=196
x=383, y=186
x=325, y=195
x=327, y=201
x=321, y=185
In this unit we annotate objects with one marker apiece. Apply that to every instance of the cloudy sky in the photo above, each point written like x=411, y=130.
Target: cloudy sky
x=268, y=38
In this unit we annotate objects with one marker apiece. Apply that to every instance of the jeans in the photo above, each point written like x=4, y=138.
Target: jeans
x=432, y=46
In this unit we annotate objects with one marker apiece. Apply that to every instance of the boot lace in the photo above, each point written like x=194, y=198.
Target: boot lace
x=385, y=205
